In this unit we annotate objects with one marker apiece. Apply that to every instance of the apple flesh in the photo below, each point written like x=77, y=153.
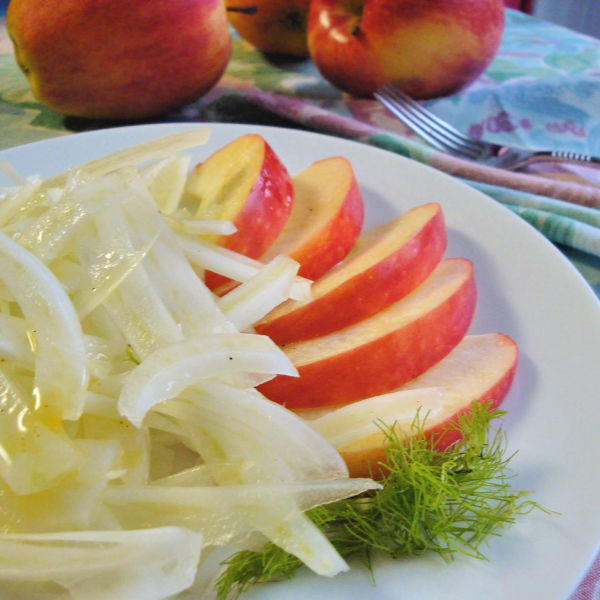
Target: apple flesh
x=382, y=352
x=480, y=368
x=119, y=60
x=385, y=265
x=326, y=218
x=428, y=48
x=244, y=182
x=273, y=26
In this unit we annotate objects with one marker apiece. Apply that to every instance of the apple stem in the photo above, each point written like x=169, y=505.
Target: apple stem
x=247, y=10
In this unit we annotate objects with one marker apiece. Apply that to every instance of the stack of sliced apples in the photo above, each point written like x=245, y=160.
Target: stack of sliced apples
x=389, y=315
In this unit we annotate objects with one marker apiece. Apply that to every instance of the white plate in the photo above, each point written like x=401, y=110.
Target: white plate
x=527, y=290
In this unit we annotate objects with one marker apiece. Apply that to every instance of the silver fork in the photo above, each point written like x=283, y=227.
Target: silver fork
x=446, y=138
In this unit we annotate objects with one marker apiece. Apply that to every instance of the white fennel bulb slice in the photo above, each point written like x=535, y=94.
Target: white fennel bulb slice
x=16, y=201
x=171, y=369
x=268, y=288
x=191, y=226
x=299, y=536
x=71, y=501
x=109, y=258
x=70, y=273
x=113, y=260
x=269, y=442
x=49, y=235
x=15, y=345
x=358, y=420
x=165, y=180
x=96, y=565
x=179, y=287
x=208, y=256
x=224, y=513
x=191, y=303
x=60, y=354
x=32, y=456
x=136, y=155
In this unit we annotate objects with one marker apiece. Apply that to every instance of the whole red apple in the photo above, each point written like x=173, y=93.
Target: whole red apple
x=119, y=59
x=273, y=26
x=428, y=48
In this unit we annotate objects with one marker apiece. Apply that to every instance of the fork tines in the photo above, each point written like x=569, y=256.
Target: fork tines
x=434, y=130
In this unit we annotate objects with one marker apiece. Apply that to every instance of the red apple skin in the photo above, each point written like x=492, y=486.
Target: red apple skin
x=495, y=395
x=499, y=348
x=119, y=59
x=277, y=26
x=368, y=459
x=369, y=290
x=265, y=211
x=326, y=218
x=382, y=364
x=266, y=206
x=429, y=48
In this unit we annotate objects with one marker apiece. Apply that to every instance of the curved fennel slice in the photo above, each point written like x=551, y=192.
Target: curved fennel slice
x=151, y=563
x=57, y=333
x=168, y=371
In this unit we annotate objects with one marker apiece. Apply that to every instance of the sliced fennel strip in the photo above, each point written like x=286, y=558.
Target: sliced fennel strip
x=135, y=304
x=148, y=563
x=52, y=317
x=253, y=299
x=208, y=256
x=191, y=226
x=206, y=508
x=48, y=236
x=109, y=257
x=166, y=179
x=135, y=155
x=24, y=461
x=248, y=426
x=186, y=297
x=171, y=369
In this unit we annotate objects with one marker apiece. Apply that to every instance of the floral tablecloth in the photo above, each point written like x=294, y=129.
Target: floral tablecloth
x=541, y=91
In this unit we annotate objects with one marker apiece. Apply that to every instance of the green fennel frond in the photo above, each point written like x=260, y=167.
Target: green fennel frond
x=445, y=502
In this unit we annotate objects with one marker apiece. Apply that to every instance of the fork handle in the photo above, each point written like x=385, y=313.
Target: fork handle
x=551, y=156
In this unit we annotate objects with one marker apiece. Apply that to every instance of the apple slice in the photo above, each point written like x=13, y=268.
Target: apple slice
x=385, y=350
x=326, y=219
x=385, y=265
x=480, y=368
x=244, y=182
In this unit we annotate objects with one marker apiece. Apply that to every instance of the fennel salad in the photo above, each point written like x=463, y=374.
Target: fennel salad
x=137, y=459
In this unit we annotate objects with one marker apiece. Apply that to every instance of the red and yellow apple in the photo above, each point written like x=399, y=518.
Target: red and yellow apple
x=480, y=368
x=246, y=183
x=326, y=218
x=273, y=26
x=119, y=59
x=386, y=264
x=384, y=351
x=428, y=48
